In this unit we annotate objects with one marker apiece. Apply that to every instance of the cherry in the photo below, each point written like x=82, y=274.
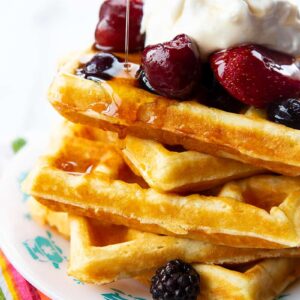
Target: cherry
x=171, y=69
x=256, y=75
x=286, y=112
x=102, y=66
x=110, y=30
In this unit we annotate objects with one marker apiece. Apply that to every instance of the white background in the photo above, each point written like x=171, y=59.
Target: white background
x=34, y=34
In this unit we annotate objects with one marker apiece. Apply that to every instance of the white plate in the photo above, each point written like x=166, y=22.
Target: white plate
x=40, y=255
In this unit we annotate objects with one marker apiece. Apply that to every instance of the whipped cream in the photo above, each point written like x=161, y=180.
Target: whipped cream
x=219, y=24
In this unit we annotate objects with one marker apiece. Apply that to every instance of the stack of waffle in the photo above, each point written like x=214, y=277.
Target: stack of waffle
x=139, y=179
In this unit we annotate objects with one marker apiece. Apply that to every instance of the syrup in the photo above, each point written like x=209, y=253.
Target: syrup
x=74, y=167
x=122, y=97
x=127, y=65
x=119, y=90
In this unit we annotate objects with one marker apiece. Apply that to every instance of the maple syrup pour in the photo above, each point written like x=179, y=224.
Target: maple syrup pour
x=127, y=65
x=117, y=94
x=121, y=87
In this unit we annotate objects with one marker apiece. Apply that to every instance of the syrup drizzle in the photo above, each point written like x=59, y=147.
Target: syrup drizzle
x=127, y=65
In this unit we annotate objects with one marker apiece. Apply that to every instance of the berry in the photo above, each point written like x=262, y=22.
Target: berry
x=214, y=95
x=286, y=112
x=110, y=30
x=176, y=280
x=143, y=80
x=171, y=69
x=102, y=66
x=256, y=75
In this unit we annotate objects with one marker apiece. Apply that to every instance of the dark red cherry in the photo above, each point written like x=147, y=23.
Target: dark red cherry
x=171, y=69
x=256, y=75
x=110, y=30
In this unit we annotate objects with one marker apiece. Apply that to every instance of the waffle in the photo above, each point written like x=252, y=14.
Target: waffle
x=178, y=170
x=105, y=253
x=90, y=178
x=119, y=105
x=68, y=145
x=171, y=169
x=96, y=247
x=44, y=216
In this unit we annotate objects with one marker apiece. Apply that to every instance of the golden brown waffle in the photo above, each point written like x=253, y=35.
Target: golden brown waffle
x=262, y=191
x=170, y=169
x=119, y=105
x=104, y=253
x=178, y=170
x=44, y=216
x=96, y=247
x=263, y=281
x=68, y=145
x=89, y=178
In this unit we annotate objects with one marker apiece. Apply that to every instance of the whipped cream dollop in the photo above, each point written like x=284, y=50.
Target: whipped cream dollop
x=220, y=24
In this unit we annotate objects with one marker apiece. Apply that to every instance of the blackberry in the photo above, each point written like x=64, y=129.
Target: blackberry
x=176, y=280
x=286, y=112
x=102, y=66
x=214, y=95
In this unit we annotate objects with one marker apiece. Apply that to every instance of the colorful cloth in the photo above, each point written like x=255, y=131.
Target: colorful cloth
x=13, y=286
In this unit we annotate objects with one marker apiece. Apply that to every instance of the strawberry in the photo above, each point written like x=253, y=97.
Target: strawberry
x=256, y=75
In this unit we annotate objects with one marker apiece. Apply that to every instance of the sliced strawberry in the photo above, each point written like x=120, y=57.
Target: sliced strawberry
x=256, y=75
